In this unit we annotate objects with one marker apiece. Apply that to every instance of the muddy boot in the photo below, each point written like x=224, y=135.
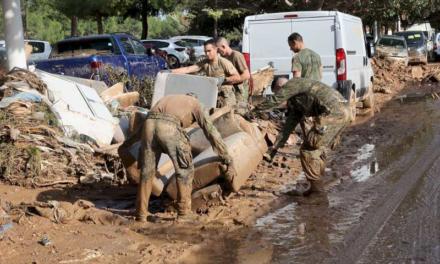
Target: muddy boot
x=301, y=189
x=317, y=187
x=143, y=197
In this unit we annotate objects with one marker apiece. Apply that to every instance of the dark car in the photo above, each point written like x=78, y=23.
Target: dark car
x=417, y=46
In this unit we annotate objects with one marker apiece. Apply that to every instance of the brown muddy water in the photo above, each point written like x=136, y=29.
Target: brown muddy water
x=384, y=210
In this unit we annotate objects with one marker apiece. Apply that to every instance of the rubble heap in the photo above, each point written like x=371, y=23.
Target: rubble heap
x=34, y=151
x=389, y=75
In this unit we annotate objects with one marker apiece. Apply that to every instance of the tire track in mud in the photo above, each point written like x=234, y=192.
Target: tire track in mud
x=383, y=209
x=413, y=233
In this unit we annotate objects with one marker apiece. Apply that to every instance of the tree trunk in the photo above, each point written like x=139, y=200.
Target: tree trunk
x=74, y=26
x=144, y=19
x=24, y=18
x=215, y=28
x=100, y=25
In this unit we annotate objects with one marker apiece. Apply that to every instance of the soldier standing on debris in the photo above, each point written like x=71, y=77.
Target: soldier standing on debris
x=163, y=132
x=218, y=67
x=305, y=63
x=237, y=59
x=308, y=98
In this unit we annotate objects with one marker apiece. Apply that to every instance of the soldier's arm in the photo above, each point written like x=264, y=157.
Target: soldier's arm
x=231, y=73
x=213, y=136
x=296, y=67
x=186, y=70
x=291, y=122
x=242, y=67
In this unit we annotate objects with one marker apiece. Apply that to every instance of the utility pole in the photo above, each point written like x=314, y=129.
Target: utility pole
x=14, y=38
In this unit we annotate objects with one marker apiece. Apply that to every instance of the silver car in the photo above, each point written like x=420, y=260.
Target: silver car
x=417, y=46
x=176, y=55
x=393, y=47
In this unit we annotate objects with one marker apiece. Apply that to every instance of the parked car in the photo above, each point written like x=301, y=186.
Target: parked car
x=88, y=57
x=195, y=42
x=417, y=46
x=429, y=32
x=176, y=55
x=437, y=46
x=40, y=49
x=393, y=47
x=340, y=43
x=151, y=49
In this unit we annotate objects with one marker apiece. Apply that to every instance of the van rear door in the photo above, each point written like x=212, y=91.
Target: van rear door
x=268, y=44
x=357, y=61
x=319, y=35
x=267, y=41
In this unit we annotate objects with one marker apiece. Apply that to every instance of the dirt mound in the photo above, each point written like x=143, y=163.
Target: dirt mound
x=390, y=75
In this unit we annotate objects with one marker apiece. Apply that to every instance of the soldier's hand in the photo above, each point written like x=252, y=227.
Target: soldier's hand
x=229, y=171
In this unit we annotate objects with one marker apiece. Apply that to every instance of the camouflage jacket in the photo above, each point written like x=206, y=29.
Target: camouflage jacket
x=305, y=98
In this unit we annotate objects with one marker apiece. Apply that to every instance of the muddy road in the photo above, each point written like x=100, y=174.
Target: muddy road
x=382, y=206
x=382, y=203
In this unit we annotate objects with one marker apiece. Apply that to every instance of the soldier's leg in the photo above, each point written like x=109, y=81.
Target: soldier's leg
x=179, y=150
x=150, y=153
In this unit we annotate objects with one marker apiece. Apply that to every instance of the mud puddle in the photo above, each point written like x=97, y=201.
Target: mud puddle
x=317, y=229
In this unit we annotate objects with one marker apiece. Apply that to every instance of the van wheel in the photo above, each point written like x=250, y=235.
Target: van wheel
x=352, y=104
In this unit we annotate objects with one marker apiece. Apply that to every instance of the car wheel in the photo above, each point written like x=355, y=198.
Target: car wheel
x=352, y=104
x=173, y=62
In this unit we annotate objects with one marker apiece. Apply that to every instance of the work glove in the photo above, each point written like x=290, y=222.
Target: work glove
x=270, y=154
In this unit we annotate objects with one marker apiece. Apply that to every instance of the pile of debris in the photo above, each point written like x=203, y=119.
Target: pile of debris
x=39, y=147
x=389, y=75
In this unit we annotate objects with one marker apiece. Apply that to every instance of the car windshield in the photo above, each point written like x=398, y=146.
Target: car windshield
x=392, y=42
x=412, y=38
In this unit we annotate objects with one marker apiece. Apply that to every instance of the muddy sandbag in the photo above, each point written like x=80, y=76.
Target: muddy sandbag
x=245, y=154
x=81, y=210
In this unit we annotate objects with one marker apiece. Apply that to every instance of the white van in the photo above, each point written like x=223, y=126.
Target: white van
x=337, y=37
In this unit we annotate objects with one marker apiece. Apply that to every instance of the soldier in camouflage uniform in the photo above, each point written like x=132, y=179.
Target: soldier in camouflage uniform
x=305, y=63
x=216, y=66
x=308, y=98
x=163, y=132
x=237, y=59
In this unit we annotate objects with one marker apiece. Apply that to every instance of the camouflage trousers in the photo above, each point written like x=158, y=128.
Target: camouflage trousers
x=242, y=97
x=226, y=96
x=323, y=135
x=162, y=133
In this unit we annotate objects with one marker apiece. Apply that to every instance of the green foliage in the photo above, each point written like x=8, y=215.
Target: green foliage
x=165, y=28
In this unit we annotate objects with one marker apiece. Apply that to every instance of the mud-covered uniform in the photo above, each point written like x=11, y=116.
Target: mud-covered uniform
x=241, y=90
x=163, y=132
x=221, y=68
x=308, y=63
x=308, y=98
